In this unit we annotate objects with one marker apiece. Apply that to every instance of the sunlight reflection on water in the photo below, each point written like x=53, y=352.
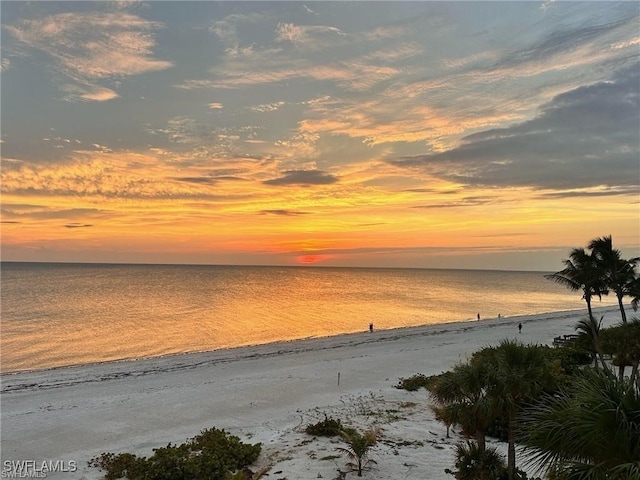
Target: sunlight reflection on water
x=67, y=314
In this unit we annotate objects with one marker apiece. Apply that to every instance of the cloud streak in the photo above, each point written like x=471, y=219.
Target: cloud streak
x=283, y=213
x=78, y=225
x=303, y=177
x=88, y=48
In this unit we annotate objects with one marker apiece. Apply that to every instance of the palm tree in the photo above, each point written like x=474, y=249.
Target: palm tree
x=581, y=272
x=590, y=330
x=590, y=430
x=617, y=272
x=462, y=399
x=358, y=448
x=518, y=374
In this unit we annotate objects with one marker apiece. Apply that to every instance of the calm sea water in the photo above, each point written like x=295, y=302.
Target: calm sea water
x=68, y=314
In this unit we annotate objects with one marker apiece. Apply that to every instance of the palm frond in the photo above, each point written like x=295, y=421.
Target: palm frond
x=564, y=432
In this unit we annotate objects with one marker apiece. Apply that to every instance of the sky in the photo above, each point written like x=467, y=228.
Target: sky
x=490, y=135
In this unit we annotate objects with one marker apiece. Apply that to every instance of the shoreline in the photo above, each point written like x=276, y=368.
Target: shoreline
x=414, y=329
x=265, y=394
x=186, y=360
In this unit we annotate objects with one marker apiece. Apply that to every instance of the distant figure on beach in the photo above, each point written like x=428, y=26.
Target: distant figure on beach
x=499, y=316
x=519, y=328
x=371, y=327
x=478, y=317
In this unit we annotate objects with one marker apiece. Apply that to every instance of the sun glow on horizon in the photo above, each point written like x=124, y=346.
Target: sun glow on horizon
x=311, y=259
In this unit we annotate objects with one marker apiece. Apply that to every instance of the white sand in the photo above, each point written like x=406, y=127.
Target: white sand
x=262, y=394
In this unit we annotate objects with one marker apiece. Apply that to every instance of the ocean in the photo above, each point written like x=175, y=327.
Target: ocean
x=55, y=315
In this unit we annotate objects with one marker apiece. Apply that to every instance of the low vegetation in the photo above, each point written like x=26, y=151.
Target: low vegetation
x=329, y=427
x=413, y=383
x=357, y=449
x=212, y=455
x=474, y=463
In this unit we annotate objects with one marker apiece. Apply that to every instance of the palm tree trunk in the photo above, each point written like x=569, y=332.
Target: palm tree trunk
x=623, y=313
x=587, y=299
x=605, y=367
x=511, y=451
x=634, y=374
x=481, y=441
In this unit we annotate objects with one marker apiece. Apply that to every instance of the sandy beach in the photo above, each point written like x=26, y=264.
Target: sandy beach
x=266, y=394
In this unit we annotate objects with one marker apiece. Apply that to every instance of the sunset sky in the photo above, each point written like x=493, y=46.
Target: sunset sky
x=418, y=134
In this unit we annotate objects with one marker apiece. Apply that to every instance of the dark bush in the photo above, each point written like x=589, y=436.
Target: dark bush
x=572, y=357
x=413, y=383
x=210, y=455
x=124, y=465
x=329, y=427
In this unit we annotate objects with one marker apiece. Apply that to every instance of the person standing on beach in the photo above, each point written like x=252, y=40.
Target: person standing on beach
x=371, y=327
x=519, y=328
x=478, y=317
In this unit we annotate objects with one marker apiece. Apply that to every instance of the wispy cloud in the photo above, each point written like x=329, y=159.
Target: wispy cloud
x=546, y=4
x=307, y=35
x=409, y=104
x=101, y=175
x=34, y=212
x=207, y=140
x=283, y=213
x=632, y=42
x=78, y=225
x=228, y=29
x=88, y=48
x=552, y=50
x=303, y=177
x=198, y=180
x=632, y=190
x=98, y=94
x=463, y=202
x=309, y=10
x=266, y=107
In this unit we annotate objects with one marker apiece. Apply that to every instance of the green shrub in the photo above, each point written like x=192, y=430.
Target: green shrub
x=124, y=465
x=572, y=357
x=329, y=427
x=475, y=463
x=210, y=455
x=413, y=383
